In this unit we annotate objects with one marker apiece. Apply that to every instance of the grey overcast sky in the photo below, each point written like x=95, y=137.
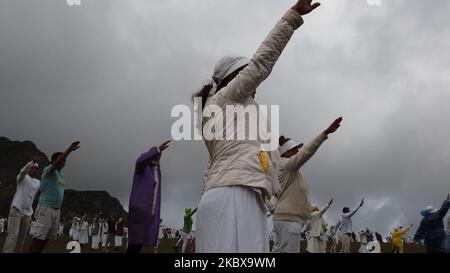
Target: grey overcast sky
x=108, y=73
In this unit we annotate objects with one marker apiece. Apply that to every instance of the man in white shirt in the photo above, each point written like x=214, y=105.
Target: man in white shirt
x=344, y=226
x=22, y=205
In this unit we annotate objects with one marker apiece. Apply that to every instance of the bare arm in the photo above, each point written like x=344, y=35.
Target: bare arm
x=73, y=147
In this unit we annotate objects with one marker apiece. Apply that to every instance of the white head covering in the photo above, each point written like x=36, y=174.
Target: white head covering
x=290, y=144
x=431, y=209
x=228, y=65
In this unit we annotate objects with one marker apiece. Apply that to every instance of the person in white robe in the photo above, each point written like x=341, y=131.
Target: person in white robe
x=84, y=231
x=317, y=242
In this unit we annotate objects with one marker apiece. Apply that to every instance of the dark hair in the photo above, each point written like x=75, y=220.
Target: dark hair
x=55, y=156
x=203, y=93
x=283, y=140
x=344, y=210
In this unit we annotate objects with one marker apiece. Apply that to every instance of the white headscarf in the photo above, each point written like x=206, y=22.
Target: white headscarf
x=223, y=69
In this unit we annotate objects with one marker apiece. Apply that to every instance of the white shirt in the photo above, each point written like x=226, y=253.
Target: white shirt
x=27, y=187
x=345, y=224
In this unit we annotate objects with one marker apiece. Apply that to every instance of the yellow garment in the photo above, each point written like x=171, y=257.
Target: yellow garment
x=264, y=161
x=397, y=238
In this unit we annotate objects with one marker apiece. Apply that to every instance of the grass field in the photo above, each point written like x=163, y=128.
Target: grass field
x=167, y=246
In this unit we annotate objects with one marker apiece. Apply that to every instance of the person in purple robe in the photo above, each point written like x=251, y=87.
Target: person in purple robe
x=145, y=200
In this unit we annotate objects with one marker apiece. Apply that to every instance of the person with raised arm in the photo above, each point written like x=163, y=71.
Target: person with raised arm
x=431, y=230
x=47, y=213
x=239, y=177
x=293, y=209
x=317, y=242
x=397, y=237
x=22, y=205
x=344, y=226
x=145, y=200
x=186, y=230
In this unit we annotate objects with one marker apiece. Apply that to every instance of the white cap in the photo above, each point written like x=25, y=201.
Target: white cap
x=290, y=144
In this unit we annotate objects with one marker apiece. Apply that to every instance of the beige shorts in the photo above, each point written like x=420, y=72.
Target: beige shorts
x=45, y=227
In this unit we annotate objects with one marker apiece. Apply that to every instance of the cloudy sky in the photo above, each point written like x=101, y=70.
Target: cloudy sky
x=108, y=73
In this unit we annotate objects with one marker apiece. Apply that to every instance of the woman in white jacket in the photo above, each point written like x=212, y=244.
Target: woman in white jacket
x=239, y=179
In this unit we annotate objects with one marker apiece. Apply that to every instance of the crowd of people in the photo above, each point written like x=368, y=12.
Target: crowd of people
x=243, y=184
x=102, y=232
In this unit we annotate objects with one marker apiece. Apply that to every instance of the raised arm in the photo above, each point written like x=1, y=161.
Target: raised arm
x=36, y=159
x=24, y=171
x=327, y=206
x=151, y=154
x=295, y=162
x=73, y=147
x=192, y=212
x=351, y=213
x=260, y=66
x=445, y=207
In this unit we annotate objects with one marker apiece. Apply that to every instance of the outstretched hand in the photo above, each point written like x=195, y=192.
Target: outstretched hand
x=74, y=146
x=333, y=126
x=304, y=7
x=362, y=202
x=330, y=202
x=164, y=146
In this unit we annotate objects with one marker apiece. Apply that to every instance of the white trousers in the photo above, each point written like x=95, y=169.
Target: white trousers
x=346, y=240
x=287, y=237
x=231, y=220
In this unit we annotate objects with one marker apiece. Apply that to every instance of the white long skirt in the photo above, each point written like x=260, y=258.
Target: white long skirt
x=316, y=245
x=104, y=239
x=95, y=241
x=76, y=235
x=84, y=237
x=231, y=220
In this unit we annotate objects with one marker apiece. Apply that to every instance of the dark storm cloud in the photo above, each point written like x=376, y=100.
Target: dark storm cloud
x=109, y=72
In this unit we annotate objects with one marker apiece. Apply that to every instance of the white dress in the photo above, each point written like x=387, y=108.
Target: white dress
x=76, y=232
x=84, y=235
x=231, y=220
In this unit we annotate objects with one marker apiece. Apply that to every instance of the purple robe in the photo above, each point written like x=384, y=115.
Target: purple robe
x=145, y=200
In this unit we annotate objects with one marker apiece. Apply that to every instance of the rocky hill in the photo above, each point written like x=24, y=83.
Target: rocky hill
x=15, y=154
